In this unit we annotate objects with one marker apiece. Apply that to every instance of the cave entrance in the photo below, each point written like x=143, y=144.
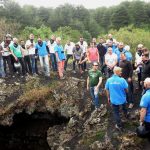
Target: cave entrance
x=29, y=132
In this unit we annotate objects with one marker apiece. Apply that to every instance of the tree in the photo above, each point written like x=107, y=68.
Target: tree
x=120, y=17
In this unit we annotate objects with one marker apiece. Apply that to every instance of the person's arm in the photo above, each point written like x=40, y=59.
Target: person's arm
x=47, y=48
x=142, y=114
x=130, y=72
x=57, y=57
x=88, y=80
x=98, y=55
x=108, y=96
x=13, y=54
x=22, y=51
x=99, y=83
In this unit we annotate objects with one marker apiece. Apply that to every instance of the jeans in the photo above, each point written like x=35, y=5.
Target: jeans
x=102, y=59
x=7, y=60
x=21, y=60
x=95, y=96
x=130, y=93
x=80, y=66
x=53, y=61
x=2, y=72
x=27, y=64
x=117, y=113
x=44, y=61
x=33, y=64
x=66, y=62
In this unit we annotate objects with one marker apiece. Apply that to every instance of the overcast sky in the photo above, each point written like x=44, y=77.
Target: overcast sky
x=85, y=3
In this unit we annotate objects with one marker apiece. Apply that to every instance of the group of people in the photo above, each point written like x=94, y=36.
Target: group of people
x=109, y=59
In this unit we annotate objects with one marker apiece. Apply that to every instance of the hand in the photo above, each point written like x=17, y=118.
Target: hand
x=36, y=57
x=16, y=58
x=141, y=123
x=129, y=79
x=87, y=88
x=108, y=100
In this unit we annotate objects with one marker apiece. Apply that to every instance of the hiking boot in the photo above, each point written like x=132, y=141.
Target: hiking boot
x=118, y=127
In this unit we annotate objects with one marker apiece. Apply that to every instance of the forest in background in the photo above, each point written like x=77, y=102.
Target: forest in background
x=128, y=21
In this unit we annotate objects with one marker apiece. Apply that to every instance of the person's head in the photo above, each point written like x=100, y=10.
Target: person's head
x=15, y=40
x=95, y=65
x=110, y=36
x=94, y=40
x=68, y=42
x=39, y=40
x=81, y=39
x=117, y=71
x=22, y=42
x=110, y=43
x=121, y=45
x=145, y=57
x=77, y=46
x=122, y=56
x=92, y=44
x=53, y=37
x=109, y=50
x=147, y=83
x=101, y=40
x=140, y=47
x=58, y=40
x=8, y=37
x=31, y=36
x=127, y=48
x=145, y=50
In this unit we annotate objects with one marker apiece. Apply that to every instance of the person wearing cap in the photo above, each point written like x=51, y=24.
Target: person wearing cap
x=94, y=81
x=60, y=57
x=145, y=106
x=7, y=57
x=77, y=58
x=116, y=89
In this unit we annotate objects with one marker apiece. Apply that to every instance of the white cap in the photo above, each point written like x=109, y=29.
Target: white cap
x=140, y=45
x=127, y=47
x=147, y=80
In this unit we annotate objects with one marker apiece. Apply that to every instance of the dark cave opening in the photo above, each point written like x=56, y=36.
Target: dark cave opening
x=29, y=132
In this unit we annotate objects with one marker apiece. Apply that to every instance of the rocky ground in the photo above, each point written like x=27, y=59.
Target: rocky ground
x=85, y=128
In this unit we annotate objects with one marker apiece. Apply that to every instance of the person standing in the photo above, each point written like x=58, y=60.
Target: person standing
x=110, y=62
x=69, y=51
x=94, y=81
x=30, y=46
x=42, y=50
x=27, y=62
x=145, y=106
x=51, y=44
x=83, y=44
x=127, y=72
x=60, y=57
x=116, y=89
x=102, y=51
x=17, y=53
x=7, y=57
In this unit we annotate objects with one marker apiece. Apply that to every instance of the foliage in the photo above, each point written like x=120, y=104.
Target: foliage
x=132, y=36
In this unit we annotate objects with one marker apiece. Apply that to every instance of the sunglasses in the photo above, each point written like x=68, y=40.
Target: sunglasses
x=95, y=65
